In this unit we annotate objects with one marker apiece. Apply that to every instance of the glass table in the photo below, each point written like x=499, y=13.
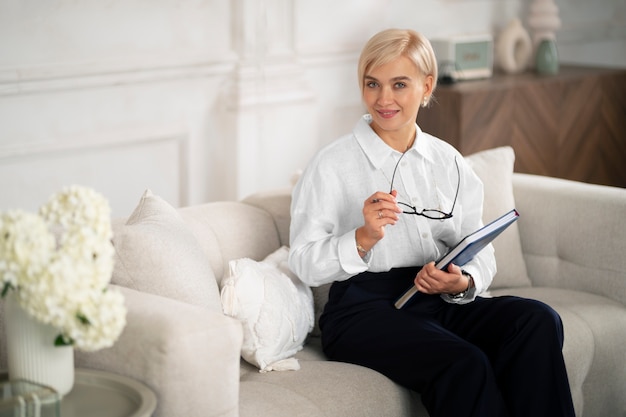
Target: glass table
x=95, y=394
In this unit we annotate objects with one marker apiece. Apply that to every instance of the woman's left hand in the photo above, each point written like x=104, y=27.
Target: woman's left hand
x=431, y=280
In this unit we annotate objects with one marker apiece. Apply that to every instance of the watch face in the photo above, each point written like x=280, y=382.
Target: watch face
x=472, y=55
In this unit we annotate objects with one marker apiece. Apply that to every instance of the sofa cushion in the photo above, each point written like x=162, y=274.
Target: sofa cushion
x=495, y=168
x=155, y=252
x=594, y=344
x=325, y=388
x=274, y=306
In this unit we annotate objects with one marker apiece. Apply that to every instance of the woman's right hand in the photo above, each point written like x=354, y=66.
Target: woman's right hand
x=379, y=210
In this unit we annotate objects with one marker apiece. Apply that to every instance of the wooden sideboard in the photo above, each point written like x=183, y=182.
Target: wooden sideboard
x=571, y=125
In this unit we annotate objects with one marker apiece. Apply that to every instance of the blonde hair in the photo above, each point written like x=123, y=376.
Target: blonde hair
x=390, y=44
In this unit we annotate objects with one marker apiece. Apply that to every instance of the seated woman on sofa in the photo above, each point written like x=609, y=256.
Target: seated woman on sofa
x=371, y=213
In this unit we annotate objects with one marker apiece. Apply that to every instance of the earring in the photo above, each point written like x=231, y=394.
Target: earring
x=425, y=102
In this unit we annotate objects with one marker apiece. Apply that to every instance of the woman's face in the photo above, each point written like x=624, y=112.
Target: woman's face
x=393, y=93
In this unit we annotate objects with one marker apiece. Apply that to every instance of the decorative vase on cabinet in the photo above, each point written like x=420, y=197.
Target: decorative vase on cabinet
x=547, y=58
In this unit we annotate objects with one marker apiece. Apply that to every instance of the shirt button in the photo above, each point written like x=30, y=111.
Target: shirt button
x=424, y=235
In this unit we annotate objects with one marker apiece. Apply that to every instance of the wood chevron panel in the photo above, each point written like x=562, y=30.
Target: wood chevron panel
x=613, y=116
x=534, y=120
x=580, y=132
x=572, y=125
x=485, y=120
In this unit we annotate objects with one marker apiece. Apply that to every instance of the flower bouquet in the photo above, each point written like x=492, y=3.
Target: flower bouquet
x=58, y=264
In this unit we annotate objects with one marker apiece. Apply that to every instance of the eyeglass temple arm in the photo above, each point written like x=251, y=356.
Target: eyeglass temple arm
x=458, y=173
x=393, y=176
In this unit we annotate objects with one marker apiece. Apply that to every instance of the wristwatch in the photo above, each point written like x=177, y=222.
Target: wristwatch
x=470, y=284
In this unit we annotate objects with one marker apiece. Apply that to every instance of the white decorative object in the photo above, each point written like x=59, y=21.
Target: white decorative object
x=544, y=20
x=55, y=266
x=32, y=354
x=274, y=307
x=513, y=48
x=59, y=262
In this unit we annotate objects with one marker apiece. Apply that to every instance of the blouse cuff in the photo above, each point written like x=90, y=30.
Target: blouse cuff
x=349, y=257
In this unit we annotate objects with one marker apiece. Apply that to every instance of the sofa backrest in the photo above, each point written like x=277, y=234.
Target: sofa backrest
x=184, y=253
x=278, y=204
x=573, y=234
x=228, y=230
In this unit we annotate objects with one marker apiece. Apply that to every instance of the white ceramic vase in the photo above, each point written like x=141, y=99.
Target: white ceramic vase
x=544, y=20
x=513, y=48
x=31, y=352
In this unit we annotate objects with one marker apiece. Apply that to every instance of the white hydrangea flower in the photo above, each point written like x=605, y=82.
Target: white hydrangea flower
x=75, y=208
x=26, y=246
x=59, y=264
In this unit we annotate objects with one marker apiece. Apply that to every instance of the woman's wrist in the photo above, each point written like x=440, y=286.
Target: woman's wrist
x=363, y=244
x=468, y=287
x=362, y=251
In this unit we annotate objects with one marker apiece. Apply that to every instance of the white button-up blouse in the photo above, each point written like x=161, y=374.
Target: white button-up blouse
x=328, y=201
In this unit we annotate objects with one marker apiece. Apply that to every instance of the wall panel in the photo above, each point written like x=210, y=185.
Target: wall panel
x=212, y=99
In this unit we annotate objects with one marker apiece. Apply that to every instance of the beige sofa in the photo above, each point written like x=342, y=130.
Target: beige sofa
x=568, y=249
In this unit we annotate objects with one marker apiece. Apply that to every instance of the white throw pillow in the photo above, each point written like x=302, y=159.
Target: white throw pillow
x=495, y=168
x=155, y=252
x=274, y=306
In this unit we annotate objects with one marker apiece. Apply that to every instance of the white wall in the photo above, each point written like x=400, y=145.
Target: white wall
x=202, y=100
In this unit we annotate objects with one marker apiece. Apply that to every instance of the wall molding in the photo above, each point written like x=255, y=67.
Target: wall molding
x=269, y=85
x=96, y=141
x=112, y=140
x=75, y=76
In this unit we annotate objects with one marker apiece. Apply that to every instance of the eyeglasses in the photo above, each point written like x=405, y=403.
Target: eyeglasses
x=433, y=214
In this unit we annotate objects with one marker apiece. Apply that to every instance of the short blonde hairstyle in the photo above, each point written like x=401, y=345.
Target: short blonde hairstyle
x=390, y=44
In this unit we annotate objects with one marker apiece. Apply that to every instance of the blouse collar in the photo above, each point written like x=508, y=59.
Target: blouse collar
x=377, y=151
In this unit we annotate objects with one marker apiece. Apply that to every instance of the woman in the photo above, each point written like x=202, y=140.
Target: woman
x=371, y=213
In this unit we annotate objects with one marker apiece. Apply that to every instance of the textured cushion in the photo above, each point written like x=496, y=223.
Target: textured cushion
x=275, y=307
x=495, y=168
x=155, y=252
x=326, y=388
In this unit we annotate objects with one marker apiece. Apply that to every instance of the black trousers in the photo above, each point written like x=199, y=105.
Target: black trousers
x=492, y=357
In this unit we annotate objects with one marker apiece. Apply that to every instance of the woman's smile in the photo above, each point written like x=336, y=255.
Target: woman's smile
x=387, y=114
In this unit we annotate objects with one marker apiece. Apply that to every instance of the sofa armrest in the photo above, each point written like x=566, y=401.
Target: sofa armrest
x=573, y=234
x=188, y=355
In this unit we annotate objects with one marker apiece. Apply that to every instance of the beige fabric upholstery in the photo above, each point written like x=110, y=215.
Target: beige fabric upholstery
x=573, y=234
x=278, y=203
x=323, y=388
x=231, y=230
x=188, y=355
x=572, y=238
x=155, y=252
